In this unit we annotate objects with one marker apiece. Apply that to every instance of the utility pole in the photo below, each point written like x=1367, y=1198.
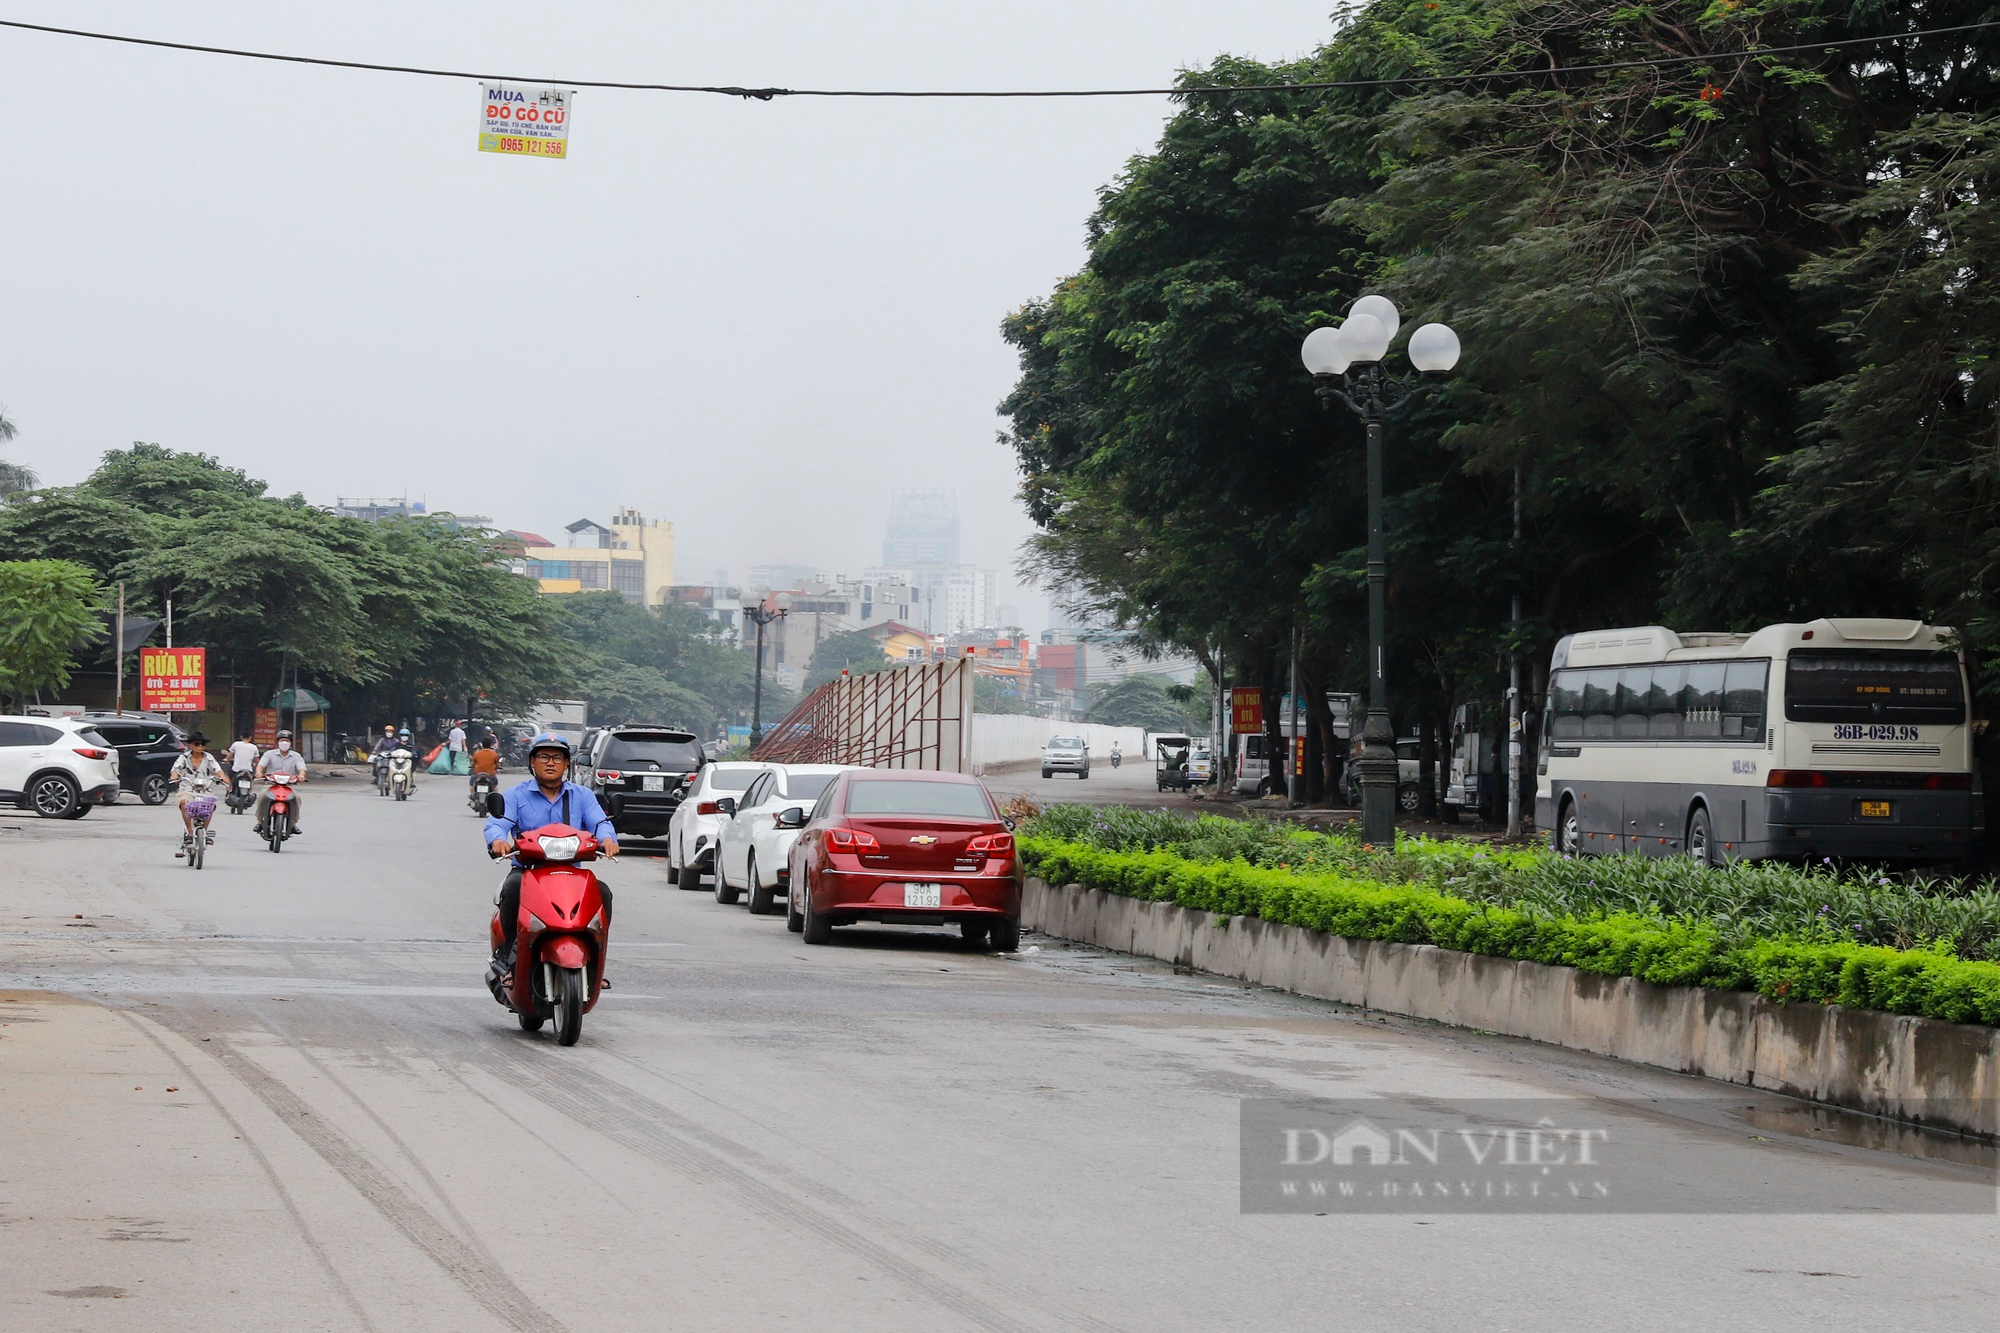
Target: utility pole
x=118, y=656
x=1514, y=751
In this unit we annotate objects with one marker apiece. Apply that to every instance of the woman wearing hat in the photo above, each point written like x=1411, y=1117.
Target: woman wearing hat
x=196, y=776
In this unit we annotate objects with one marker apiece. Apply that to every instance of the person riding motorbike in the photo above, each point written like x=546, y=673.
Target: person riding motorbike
x=282, y=760
x=195, y=775
x=242, y=763
x=1117, y=755
x=547, y=797
x=385, y=744
x=485, y=764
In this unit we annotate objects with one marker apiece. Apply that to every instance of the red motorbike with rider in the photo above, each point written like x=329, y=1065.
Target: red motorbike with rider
x=553, y=921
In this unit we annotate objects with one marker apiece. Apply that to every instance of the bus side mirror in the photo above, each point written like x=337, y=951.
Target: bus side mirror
x=496, y=805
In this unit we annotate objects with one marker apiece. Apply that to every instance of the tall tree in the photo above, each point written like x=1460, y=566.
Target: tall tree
x=48, y=611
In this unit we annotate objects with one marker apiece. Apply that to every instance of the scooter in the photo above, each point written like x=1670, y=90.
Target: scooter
x=559, y=950
x=382, y=774
x=240, y=797
x=1117, y=758
x=402, y=772
x=278, y=821
x=482, y=787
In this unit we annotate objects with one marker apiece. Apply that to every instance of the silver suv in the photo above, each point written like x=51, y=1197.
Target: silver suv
x=1066, y=754
x=56, y=766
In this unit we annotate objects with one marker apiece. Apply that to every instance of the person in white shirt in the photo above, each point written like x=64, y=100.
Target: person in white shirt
x=243, y=754
x=456, y=740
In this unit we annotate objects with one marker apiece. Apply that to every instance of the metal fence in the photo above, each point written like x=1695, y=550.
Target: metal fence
x=916, y=716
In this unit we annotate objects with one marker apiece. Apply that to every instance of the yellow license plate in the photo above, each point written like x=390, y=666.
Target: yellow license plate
x=1874, y=809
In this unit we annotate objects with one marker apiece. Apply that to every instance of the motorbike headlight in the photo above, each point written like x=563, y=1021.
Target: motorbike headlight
x=560, y=849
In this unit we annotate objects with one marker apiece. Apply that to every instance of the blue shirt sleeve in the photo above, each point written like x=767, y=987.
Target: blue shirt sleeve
x=508, y=825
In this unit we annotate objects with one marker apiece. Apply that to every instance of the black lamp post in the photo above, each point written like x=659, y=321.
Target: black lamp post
x=1347, y=362
x=761, y=615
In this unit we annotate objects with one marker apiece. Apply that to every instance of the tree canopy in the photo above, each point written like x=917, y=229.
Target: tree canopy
x=48, y=613
x=387, y=619
x=1731, y=320
x=668, y=664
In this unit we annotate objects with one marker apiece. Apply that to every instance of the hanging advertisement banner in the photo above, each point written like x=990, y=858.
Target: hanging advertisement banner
x=524, y=122
x=264, y=735
x=173, y=680
x=1246, y=710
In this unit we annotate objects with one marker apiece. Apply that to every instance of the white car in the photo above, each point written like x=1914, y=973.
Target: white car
x=699, y=817
x=56, y=766
x=752, y=853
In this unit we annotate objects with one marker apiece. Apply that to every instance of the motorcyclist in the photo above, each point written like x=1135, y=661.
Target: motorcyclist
x=195, y=775
x=406, y=741
x=1117, y=755
x=286, y=761
x=242, y=761
x=547, y=797
x=485, y=764
x=385, y=744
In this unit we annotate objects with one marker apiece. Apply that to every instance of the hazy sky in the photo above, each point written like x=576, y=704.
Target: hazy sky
x=753, y=319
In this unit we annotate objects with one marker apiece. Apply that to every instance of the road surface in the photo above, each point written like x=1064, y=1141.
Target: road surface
x=273, y=1094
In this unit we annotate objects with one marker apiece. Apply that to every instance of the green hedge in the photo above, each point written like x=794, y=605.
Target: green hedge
x=1897, y=981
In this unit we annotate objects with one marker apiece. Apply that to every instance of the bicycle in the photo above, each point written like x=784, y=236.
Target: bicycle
x=200, y=810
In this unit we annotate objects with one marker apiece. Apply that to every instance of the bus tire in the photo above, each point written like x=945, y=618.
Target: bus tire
x=1569, y=830
x=1701, y=837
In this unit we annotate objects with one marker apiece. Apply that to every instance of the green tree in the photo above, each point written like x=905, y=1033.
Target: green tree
x=685, y=667
x=13, y=477
x=48, y=610
x=1137, y=701
x=853, y=651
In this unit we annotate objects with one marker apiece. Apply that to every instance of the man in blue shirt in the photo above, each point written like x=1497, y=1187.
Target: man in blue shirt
x=548, y=798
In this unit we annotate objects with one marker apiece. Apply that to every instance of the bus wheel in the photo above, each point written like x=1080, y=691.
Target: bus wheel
x=1700, y=845
x=1569, y=831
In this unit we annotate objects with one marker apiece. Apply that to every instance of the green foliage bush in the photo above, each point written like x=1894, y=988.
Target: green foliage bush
x=1641, y=941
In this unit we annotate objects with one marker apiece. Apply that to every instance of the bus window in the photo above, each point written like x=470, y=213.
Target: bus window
x=1832, y=685
x=1743, y=700
x=1634, y=684
x=1701, y=701
x=1663, y=703
x=1599, y=688
x=1566, y=706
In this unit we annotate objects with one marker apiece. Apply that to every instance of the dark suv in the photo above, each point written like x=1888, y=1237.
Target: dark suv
x=640, y=775
x=147, y=746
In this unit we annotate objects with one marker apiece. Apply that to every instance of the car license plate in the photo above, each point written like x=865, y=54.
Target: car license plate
x=923, y=895
x=1875, y=809
x=653, y=783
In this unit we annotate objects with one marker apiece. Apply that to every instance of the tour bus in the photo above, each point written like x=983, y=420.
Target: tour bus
x=1834, y=738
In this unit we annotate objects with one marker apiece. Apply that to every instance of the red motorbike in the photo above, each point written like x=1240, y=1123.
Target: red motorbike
x=559, y=950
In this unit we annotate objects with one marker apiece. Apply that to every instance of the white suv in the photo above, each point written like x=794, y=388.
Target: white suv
x=56, y=766
x=1066, y=754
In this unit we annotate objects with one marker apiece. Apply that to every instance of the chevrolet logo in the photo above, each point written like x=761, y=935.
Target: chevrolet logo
x=923, y=840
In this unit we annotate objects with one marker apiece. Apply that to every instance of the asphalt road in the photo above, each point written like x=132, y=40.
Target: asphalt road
x=272, y=1094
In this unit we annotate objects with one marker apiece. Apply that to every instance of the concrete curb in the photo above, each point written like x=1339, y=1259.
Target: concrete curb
x=1915, y=1069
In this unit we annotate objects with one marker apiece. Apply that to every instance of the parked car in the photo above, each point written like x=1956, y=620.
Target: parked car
x=752, y=846
x=639, y=774
x=1409, y=776
x=58, y=767
x=910, y=848
x=147, y=746
x=699, y=818
x=1066, y=754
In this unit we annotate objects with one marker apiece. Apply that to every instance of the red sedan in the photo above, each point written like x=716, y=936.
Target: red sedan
x=910, y=847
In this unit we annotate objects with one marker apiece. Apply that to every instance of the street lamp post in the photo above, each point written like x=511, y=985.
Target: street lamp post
x=761, y=615
x=1347, y=362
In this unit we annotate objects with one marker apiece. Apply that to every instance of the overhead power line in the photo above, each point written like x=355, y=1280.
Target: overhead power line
x=1199, y=90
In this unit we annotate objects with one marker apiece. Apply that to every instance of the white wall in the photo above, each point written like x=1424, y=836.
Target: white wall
x=1005, y=738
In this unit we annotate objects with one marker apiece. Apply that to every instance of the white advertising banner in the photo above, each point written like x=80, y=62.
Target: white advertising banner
x=524, y=122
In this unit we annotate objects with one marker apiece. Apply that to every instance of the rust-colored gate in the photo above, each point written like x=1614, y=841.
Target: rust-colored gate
x=917, y=716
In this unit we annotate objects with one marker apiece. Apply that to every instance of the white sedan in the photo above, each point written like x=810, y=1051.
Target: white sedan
x=752, y=853
x=699, y=817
